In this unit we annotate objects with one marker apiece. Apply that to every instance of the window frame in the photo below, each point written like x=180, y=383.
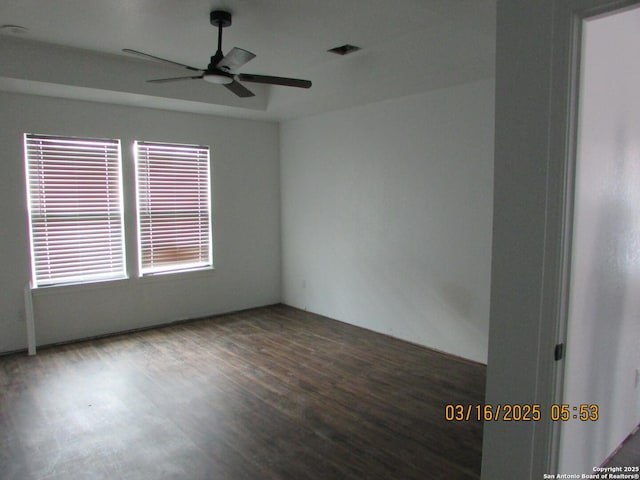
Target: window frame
x=82, y=269
x=141, y=210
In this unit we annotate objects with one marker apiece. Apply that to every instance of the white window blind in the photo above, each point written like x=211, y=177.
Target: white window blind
x=174, y=216
x=75, y=209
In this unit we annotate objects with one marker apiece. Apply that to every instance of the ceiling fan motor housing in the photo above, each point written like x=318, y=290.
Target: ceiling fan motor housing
x=220, y=18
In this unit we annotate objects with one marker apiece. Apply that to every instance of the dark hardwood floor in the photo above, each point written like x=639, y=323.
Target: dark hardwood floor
x=271, y=393
x=628, y=454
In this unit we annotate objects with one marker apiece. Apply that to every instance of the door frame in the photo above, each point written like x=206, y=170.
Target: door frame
x=560, y=204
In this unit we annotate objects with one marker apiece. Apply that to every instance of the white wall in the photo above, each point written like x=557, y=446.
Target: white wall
x=386, y=216
x=604, y=327
x=246, y=222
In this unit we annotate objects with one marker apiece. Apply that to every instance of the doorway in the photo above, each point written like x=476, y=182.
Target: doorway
x=603, y=331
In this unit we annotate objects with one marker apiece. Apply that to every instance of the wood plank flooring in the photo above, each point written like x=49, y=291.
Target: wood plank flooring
x=270, y=393
x=628, y=454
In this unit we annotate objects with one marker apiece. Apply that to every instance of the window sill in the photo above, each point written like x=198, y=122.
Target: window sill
x=176, y=275
x=150, y=278
x=58, y=288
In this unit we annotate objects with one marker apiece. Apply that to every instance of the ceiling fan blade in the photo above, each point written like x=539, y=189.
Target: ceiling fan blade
x=236, y=58
x=153, y=57
x=287, y=82
x=173, y=79
x=239, y=89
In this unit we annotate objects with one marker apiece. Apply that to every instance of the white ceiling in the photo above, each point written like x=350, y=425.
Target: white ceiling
x=408, y=46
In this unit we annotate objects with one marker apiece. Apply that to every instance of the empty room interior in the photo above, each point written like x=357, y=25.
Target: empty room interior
x=302, y=240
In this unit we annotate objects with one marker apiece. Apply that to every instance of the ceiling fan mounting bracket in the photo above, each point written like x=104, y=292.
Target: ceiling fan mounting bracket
x=220, y=18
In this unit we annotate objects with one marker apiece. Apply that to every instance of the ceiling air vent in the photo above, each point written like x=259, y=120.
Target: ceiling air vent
x=344, y=49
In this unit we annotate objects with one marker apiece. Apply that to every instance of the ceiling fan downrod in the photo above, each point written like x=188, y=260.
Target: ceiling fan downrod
x=220, y=19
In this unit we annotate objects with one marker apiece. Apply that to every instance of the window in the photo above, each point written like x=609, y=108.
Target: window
x=174, y=219
x=75, y=209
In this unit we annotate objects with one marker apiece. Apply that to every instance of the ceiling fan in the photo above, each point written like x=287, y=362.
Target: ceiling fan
x=222, y=68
